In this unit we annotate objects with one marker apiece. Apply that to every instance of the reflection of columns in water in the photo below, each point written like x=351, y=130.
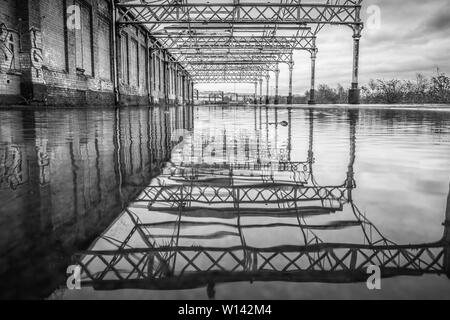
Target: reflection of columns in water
x=446, y=238
x=74, y=168
x=97, y=165
x=311, y=141
x=267, y=133
x=258, y=137
x=247, y=148
x=141, y=151
x=149, y=134
x=289, y=153
x=224, y=150
x=235, y=146
x=36, y=220
x=131, y=145
x=167, y=134
x=350, y=182
x=256, y=118
x=353, y=118
x=276, y=130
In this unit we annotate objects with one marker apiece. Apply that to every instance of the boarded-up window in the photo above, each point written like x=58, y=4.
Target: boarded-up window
x=155, y=72
x=142, y=67
x=104, y=48
x=134, y=63
x=53, y=37
x=151, y=64
x=83, y=40
x=124, y=58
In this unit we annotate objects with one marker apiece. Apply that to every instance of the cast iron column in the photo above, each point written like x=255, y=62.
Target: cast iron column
x=277, y=79
x=312, y=91
x=353, y=95
x=291, y=69
x=256, y=92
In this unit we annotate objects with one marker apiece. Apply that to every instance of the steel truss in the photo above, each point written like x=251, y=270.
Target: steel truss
x=235, y=58
x=218, y=78
x=229, y=73
x=343, y=12
x=199, y=68
x=225, y=41
x=197, y=32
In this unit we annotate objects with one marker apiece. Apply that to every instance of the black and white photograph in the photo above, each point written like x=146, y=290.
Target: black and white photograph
x=249, y=151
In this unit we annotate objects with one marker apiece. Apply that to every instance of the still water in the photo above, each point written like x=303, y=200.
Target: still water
x=225, y=202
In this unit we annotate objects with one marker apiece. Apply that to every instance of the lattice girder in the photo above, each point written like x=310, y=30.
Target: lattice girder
x=243, y=12
x=335, y=263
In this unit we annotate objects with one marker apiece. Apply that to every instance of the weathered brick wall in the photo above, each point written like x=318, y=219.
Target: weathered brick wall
x=9, y=52
x=53, y=40
x=135, y=63
x=83, y=75
x=104, y=49
x=143, y=69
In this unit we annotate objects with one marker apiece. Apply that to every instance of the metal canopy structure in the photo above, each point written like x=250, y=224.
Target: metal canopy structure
x=255, y=34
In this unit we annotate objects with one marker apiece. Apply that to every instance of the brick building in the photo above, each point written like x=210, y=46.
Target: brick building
x=62, y=52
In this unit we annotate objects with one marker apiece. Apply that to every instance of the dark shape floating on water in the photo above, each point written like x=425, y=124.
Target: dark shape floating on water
x=282, y=123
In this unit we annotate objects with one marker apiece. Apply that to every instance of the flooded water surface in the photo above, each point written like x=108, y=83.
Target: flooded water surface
x=225, y=202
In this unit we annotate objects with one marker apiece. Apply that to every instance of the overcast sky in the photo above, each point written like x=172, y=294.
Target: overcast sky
x=414, y=37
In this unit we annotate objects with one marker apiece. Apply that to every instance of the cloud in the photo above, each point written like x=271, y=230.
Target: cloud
x=437, y=22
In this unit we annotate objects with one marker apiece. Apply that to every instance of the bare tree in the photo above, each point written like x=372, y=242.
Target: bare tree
x=393, y=90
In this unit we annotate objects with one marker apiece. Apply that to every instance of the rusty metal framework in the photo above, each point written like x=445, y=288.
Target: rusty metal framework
x=253, y=33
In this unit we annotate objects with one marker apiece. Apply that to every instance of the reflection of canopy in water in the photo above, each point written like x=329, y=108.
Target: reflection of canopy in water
x=141, y=260
x=266, y=159
x=190, y=231
x=259, y=145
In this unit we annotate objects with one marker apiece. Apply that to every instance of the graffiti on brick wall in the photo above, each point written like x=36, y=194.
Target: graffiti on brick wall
x=12, y=170
x=36, y=52
x=9, y=44
x=7, y=48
